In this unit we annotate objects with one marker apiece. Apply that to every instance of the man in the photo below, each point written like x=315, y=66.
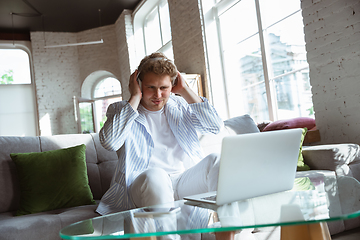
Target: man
x=155, y=136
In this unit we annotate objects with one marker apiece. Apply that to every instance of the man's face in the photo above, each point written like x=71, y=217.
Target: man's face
x=156, y=91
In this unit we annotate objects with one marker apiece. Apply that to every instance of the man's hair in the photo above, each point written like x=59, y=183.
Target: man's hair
x=159, y=64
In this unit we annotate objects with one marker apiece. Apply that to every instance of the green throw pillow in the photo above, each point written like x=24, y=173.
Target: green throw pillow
x=52, y=180
x=301, y=166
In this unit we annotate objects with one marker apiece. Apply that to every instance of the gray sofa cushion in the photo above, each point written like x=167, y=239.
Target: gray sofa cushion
x=9, y=186
x=344, y=158
x=106, y=164
x=242, y=124
x=211, y=143
x=45, y=225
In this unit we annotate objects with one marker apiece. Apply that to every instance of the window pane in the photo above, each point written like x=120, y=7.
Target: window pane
x=167, y=50
x=286, y=44
x=17, y=110
x=165, y=22
x=245, y=80
x=238, y=23
x=101, y=108
x=86, y=116
x=107, y=87
x=293, y=94
x=14, y=67
x=275, y=10
x=242, y=61
x=152, y=32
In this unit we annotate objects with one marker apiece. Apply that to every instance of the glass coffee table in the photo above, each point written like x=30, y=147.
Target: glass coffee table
x=301, y=215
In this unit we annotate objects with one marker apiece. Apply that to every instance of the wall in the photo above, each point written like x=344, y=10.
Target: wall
x=98, y=56
x=57, y=80
x=187, y=37
x=60, y=72
x=332, y=34
x=125, y=49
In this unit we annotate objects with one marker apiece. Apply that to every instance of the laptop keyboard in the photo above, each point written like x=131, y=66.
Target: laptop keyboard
x=211, y=198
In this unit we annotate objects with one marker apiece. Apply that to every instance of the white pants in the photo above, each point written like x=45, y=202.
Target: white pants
x=155, y=186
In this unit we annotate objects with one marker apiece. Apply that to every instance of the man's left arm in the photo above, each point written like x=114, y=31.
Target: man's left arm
x=205, y=118
x=203, y=115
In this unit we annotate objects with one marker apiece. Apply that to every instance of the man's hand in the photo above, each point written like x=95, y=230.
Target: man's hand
x=184, y=90
x=135, y=90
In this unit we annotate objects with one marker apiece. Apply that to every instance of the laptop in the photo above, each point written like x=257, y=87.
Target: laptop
x=253, y=165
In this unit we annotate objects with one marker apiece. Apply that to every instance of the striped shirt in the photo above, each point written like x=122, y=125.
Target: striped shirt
x=127, y=132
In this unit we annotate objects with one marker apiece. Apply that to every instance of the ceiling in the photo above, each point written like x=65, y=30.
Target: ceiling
x=60, y=15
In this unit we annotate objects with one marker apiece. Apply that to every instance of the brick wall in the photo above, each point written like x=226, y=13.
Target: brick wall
x=60, y=72
x=99, y=56
x=187, y=36
x=57, y=80
x=332, y=34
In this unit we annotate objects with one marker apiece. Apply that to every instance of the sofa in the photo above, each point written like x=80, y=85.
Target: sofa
x=338, y=163
x=100, y=165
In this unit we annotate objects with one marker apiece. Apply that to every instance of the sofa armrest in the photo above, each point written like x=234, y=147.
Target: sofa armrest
x=344, y=159
x=349, y=193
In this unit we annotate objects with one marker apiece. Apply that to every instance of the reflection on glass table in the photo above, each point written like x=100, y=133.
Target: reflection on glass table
x=307, y=209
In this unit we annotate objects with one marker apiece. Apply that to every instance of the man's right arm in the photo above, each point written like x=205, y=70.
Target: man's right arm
x=120, y=117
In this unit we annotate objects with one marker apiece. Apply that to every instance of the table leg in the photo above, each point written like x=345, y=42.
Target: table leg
x=315, y=231
x=225, y=235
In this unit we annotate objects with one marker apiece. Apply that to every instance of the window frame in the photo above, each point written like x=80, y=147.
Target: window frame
x=139, y=17
x=88, y=96
x=212, y=11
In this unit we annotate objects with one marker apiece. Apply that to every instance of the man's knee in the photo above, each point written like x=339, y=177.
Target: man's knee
x=156, y=181
x=151, y=187
x=156, y=178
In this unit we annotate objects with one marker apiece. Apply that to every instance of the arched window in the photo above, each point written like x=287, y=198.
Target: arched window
x=99, y=90
x=17, y=93
x=107, y=87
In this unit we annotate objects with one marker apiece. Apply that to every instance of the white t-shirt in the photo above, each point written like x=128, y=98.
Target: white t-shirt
x=167, y=153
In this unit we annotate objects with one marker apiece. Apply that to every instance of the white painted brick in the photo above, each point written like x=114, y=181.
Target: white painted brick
x=57, y=80
x=187, y=38
x=99, y=56
x=125, y=49
x=332, y=38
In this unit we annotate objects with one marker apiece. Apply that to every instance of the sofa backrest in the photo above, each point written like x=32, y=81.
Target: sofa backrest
x=100, y=163
x=237, y=125
x=9, y=187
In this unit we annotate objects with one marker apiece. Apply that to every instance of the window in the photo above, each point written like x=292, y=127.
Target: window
x=262, y=58
x=14, y=67
x=152, y=28
x=100, y=89
x=107, y=91
x=17, y=95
